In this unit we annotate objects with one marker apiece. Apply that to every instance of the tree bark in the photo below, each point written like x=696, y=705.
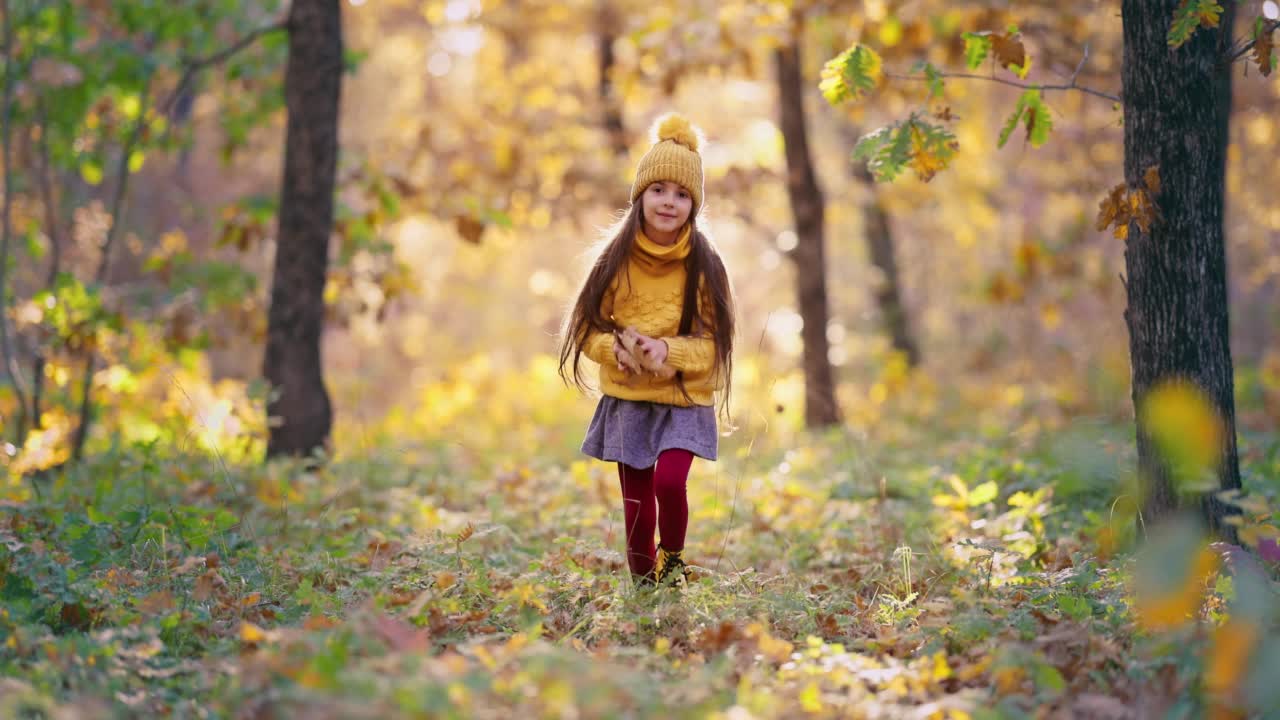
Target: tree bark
x=8, y=350
x=879, y=236
x=300, y=409
x=609, y=103
x=820, y=407
x=1176, y=114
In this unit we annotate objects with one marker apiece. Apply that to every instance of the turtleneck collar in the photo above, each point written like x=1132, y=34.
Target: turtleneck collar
x=658, y=259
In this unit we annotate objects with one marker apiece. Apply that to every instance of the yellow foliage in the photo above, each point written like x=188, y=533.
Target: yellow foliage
x=1008, y=679
x=1158, y=611
x=1185, y=425
x=811, y=698
x=1229, y=654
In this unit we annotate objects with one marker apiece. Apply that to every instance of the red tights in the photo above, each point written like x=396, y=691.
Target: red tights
x=647, y=491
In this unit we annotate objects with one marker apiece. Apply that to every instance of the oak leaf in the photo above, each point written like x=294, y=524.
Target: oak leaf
x=1010, y=53
x=1263, y=48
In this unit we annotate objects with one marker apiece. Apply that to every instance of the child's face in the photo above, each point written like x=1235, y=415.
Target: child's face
x=666, y=206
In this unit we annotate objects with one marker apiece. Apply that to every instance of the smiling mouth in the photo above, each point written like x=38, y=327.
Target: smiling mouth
x=669, y=217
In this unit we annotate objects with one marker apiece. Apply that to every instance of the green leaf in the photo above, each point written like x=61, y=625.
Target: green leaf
x=1074, y=607
x=984, y=493
x=1048, y=677
x=351, y=60
x=1190, y=15
x=1034, y=114
x=976, y=48
x=886, y=151
x=933, y=77
x=35, y=248
x=1011, y=123
x=925, y=147
x=850, y=75
x=1039, y=120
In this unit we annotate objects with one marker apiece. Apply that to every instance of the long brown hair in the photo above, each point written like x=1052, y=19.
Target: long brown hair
x=703, y=266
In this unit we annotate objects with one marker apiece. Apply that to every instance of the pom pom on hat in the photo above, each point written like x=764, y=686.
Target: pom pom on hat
x=677, y=128
x=674, y=157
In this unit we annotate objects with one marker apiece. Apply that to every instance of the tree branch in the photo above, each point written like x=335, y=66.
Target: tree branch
x=191, y=66
x=1011, y=83
x=55, y=260
x=1244, y=49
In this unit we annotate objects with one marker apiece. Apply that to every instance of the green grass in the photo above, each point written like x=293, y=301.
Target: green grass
x=422, y=582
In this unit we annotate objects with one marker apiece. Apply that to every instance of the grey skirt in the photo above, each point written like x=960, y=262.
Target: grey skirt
x=635, y=433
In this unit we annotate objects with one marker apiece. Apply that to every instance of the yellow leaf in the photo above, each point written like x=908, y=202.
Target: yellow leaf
x=1254, y=534
x=1156, y=613
x=923, y=160
x=445, y=580
x=971, y=672
x=1233, y=644
x=941, y=670
x=1210, y=14
x=810, y=698
x=1008, y=679
x=251, y=634
x=1185, y=424
x=1050, y=316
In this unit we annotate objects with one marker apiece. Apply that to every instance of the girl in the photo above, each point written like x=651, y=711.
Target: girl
x=656, y=312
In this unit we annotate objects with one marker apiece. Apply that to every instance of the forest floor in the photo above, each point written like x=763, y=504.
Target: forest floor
x=939, y=574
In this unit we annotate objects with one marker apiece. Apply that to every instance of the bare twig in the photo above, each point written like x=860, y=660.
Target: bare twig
x=7, y=354
x=1083, y=59
x=1025, y=86
x=1240, y=52
x=192, y=66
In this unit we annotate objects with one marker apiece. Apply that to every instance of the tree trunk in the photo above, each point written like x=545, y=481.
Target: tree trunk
x=300, y=410
x=609, y=103
x=807, y=206
x=1176, y=114
x=893, y=313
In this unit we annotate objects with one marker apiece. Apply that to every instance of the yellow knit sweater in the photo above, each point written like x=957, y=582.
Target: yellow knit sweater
x=652, y=302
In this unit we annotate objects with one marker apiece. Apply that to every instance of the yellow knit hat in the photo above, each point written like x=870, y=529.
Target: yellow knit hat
x=673, y=157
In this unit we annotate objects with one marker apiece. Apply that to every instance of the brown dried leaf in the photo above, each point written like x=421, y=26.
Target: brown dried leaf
x=1152, y=180
x=1112, y=207
x=716, y=639
x=1143, y=211
x=401, y=636
x=157, y=603
x=319, y=622
x=1009, y=51
x=465, y=533
x=207, y=585
x=1262, y=50
x=469, y=228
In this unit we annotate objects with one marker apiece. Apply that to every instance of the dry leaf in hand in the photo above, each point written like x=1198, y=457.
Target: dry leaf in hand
x=631, y=341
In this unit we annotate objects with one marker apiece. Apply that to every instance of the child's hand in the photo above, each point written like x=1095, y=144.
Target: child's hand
x=650, y=353
x=653, y=349
x=626, y=361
